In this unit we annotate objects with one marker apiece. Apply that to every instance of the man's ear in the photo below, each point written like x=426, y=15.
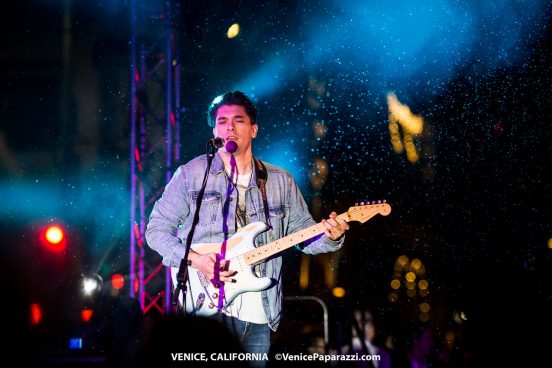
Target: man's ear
x=255, y=130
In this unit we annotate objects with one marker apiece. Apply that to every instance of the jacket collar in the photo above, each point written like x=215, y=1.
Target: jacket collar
x=217, y=166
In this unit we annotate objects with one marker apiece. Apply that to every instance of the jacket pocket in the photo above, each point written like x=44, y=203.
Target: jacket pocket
x=210, y=206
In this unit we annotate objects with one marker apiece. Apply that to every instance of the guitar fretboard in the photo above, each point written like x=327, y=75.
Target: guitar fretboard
x=259, y=254
x=358, y=213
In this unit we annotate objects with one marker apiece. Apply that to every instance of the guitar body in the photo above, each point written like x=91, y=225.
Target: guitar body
x=202, y=297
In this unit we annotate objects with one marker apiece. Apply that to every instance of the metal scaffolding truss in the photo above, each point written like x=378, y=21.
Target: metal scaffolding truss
x=154, y=138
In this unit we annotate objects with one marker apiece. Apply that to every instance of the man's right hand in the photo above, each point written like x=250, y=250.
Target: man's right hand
x=213, y=266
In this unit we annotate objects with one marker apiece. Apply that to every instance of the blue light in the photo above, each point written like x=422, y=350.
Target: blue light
x=75, y=343
x=413, y=47
x=286, y=156
x=266, y=80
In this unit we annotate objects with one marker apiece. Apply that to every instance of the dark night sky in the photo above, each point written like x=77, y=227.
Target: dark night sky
x=475, y=208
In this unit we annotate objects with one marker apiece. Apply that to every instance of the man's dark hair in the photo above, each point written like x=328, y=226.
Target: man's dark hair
x=231, y=98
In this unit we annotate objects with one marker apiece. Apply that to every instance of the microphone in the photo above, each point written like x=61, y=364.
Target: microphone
x=231, y=146
x=218, y=142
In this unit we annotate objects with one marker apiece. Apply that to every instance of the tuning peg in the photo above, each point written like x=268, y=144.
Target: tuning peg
x=362, y=203
x=379, y=201
x=356, y=203
x=373, y=202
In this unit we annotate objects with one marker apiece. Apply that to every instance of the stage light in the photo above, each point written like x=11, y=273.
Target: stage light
x=338, y=292
x=117, y=281
x=233, y=30
x=86, y=315
x=36, y=314
x=53, y=238
x=75, y=343
x=54, y=234
x=91, y=284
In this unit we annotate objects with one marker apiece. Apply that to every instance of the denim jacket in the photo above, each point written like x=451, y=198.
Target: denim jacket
x=287, y=208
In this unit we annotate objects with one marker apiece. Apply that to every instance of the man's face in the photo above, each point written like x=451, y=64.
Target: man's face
x=233, y=124
x=367, y=323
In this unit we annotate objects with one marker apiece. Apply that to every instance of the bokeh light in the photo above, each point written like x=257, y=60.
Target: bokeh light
x=233, y=31
x=36, y=314
x=118, y=281
x=53, y=238
x=338, y=292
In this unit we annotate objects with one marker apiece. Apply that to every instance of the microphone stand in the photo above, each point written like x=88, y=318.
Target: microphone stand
x=182, y=275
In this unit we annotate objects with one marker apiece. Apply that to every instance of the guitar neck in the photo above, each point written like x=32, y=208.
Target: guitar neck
x=258, y=255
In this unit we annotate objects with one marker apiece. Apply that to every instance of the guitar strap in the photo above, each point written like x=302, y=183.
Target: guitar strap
x=262, y=176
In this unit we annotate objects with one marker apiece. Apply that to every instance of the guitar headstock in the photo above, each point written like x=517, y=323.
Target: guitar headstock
x=364, y=211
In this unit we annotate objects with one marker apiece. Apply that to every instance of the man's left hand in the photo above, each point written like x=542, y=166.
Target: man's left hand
x=335, y=228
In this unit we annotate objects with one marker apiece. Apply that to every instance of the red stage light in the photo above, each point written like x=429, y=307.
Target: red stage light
x=86, y=314
x=54, y=235
x=118, y=281
x=36, y=314
x=53, y=238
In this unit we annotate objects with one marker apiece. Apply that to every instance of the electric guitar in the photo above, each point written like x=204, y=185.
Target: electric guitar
x=204, y=299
